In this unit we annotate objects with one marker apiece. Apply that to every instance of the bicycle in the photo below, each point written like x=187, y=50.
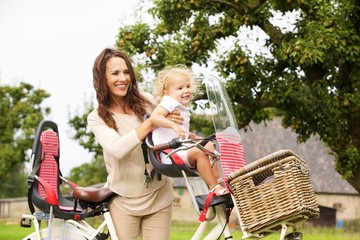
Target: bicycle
x=66, y=219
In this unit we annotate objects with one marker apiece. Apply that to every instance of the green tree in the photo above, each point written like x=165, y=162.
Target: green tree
x=88, y=173
x=21, y=112
x=309, y=73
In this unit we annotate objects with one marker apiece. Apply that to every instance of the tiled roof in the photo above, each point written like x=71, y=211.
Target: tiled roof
x=262, y=140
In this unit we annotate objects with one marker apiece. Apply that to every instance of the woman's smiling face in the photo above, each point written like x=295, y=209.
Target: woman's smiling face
x=117, y=76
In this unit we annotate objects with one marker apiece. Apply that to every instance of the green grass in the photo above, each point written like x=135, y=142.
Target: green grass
x=184, y=231
x=11, y=230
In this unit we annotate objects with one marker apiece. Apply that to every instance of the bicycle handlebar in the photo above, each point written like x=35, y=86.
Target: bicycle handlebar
x=207, y=139
x=176, y=143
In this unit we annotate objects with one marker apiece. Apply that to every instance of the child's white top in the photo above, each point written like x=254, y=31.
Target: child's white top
x=163, y=135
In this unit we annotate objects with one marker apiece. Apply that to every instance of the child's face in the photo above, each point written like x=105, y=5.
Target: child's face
x=179, y=88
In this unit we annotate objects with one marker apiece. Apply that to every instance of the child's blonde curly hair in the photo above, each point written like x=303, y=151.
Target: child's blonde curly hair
x=165, y=74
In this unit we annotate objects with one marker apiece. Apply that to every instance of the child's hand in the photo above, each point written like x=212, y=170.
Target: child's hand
x=180, y=132
x=193, y=136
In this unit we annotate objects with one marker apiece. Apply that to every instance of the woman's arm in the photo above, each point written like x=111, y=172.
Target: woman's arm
x=110, y=140
x=144, y=129
x=159, y=118
x=175, y=117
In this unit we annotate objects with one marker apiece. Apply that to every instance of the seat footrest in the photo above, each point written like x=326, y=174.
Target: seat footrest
x=223, y=199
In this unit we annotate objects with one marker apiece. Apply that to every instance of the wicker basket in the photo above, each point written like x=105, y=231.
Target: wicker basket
x=273, y=189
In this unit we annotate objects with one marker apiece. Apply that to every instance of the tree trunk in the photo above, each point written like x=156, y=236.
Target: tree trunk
x=355, y=181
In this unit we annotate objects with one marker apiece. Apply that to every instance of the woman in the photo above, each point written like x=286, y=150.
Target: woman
x=139, y=209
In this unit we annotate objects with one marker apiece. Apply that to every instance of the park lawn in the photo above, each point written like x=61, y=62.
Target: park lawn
x=184, y=231
x=11, y=230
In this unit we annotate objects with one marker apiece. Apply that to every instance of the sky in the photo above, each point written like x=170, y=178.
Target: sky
x=52, y=45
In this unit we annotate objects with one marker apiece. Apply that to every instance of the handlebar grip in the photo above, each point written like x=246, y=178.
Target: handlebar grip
x=207, y=139
x=174, y=143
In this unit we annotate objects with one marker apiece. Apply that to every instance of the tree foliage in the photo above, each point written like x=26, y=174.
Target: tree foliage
x=21, y=112
x=88, y=173
x=308, y=73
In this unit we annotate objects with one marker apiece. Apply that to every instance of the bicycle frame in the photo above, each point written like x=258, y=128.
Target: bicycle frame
x=58, y=228
x=68, y=229
x=198, y=189
x=219, y=212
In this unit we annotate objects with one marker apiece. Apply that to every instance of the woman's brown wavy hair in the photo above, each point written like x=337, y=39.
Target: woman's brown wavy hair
x=133, y=99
